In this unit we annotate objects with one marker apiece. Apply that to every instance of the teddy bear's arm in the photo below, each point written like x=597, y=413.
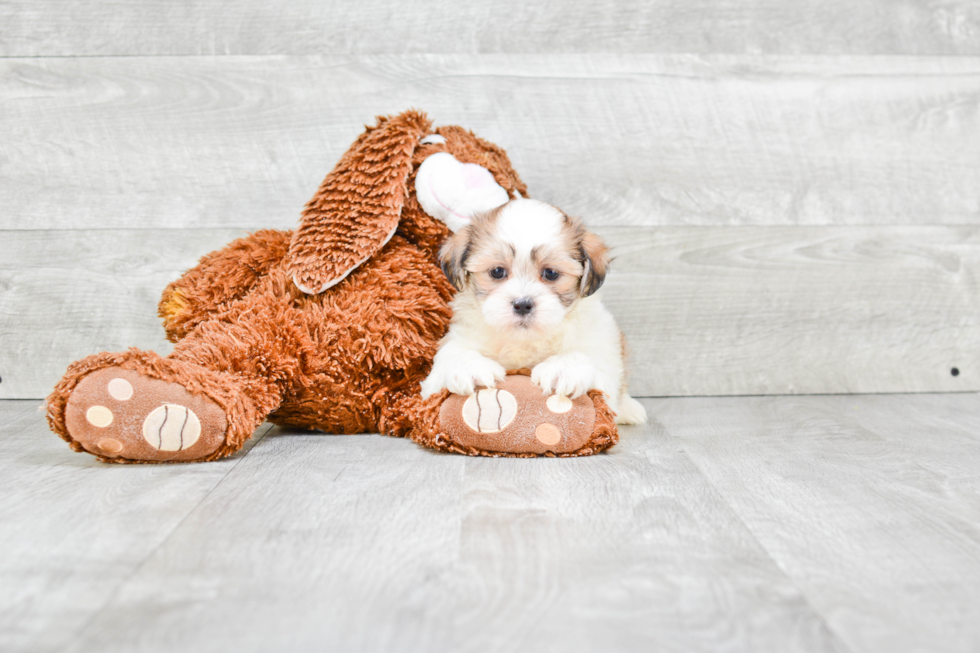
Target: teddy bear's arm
x=219, y=279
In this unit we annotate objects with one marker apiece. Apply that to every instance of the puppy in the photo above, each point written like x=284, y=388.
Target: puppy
x=527, y=276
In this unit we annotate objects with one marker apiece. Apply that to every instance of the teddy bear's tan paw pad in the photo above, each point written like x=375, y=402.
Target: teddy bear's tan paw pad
x=489, y=410
x=119, y=413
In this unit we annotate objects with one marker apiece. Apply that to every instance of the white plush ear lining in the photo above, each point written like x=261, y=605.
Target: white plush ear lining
x=454, y=192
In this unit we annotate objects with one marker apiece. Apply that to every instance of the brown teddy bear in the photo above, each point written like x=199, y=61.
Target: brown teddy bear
x=332, y=326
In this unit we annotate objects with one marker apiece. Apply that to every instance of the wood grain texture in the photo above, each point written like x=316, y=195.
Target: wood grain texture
x=72, y=529
x=706, y=310
x=944, y=439
x=65, y=295
x=365, y=543
x=626, y=551
x=859, y=500
x=834, y=523
x=168, y=142
x=798, y=310
x=49, y=27
x=326, y=543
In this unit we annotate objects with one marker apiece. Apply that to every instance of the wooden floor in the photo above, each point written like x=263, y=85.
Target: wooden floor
x=813, y=523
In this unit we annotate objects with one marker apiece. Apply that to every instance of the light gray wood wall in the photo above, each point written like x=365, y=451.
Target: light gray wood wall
x=706, y=310
x=792, y=189
x=172, y=142
x=210, y=27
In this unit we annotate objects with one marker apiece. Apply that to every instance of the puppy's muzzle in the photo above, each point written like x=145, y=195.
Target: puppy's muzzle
x=523, y=306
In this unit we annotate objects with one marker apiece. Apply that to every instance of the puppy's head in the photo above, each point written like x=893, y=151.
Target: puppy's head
x=526, y=263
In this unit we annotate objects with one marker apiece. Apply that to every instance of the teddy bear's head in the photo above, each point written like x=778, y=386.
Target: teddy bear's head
x=401, y=175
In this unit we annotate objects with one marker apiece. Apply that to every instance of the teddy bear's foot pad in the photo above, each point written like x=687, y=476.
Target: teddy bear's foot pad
x=516, y=417
x=118, y=413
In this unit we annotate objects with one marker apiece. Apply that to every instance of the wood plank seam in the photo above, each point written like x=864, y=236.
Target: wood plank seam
x=724, y=499
x=253, y=442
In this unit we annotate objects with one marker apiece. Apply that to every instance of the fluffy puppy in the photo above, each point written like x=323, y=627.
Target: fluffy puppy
x=527, y=276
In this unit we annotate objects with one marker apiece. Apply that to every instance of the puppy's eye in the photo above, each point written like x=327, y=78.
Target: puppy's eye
x=498, y=273
x=550, y=275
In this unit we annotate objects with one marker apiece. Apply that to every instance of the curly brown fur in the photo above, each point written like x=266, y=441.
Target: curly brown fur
x=323, y=360
x=359, y=204
x=222, y=277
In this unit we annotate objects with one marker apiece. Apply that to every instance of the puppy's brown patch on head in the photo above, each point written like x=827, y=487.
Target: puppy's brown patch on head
x=487, y=253
x=470, y=249
x=487, y=257
x=590, y=253
x=559, y=257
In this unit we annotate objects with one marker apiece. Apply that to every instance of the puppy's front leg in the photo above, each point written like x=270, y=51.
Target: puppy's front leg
x=572, y=374
x=460, y=370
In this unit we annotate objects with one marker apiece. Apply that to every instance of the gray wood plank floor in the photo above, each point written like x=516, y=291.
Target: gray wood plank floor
x=74, y=530
x=821, y=523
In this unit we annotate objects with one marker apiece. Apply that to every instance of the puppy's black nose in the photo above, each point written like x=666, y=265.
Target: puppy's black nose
x=523, y=306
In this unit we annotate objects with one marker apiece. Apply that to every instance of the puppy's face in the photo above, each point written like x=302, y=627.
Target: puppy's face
x=526, y=263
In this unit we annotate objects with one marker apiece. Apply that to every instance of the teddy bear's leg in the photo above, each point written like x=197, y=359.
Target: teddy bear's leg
x=208, y=289
x=136, y=406
x=399, y=410
x=515, y=419
x=201, y=403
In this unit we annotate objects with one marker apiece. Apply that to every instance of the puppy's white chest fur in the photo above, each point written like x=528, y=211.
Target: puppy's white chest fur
x=515, y=356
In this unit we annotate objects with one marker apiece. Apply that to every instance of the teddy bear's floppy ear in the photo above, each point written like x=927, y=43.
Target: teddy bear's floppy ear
x=356, y=210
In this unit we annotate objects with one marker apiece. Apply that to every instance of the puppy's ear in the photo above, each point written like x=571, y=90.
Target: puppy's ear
x=595, y=258
x=453, y=255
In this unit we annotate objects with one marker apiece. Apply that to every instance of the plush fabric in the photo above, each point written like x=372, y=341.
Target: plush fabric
x=332, y=326
x=584, y=428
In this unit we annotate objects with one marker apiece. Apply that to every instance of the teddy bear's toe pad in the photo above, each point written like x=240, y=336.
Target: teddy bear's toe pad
x=118, y=413
x=516, y=417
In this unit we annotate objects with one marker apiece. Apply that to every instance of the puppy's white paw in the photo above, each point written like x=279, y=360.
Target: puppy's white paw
x=571, y=375
x=630, y=411
x=463, y=374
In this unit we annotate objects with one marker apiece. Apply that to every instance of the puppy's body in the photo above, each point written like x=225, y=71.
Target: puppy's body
x=527, y=274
